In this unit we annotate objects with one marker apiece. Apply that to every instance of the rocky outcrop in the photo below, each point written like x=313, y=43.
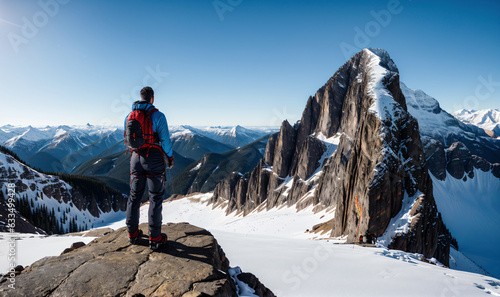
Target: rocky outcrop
x=192, y=265
x=379, y=160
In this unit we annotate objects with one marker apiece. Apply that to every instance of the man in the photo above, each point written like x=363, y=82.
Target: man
x=147, y=164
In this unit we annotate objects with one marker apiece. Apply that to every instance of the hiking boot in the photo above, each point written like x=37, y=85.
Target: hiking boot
x=132, y=237
x=158, y=242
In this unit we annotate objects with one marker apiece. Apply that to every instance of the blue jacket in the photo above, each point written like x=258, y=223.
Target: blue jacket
x=160, y=125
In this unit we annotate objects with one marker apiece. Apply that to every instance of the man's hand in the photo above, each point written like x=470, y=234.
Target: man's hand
x=170, y=162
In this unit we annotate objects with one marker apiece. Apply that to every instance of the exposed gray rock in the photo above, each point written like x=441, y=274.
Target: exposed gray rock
x=435, y=155
x=283, y=153
x=192, y=265
x=481, y=164
x=308, y=158
x=74, y=246
x=257, y=187
x=269, y=153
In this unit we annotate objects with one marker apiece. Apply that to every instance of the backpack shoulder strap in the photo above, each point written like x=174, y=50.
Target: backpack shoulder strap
x=151, y=111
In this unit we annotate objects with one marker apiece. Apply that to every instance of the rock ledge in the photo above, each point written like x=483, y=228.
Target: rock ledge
x=192, y=265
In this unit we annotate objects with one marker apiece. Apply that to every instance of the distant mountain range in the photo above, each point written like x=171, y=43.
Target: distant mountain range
x=487, y=119
x=236, y=136
x=47, y=148
x=100, y=152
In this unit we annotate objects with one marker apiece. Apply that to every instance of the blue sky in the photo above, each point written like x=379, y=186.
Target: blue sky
x=231, y=62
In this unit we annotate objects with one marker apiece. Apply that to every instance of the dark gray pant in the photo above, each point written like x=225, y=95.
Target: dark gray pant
x=149, y=166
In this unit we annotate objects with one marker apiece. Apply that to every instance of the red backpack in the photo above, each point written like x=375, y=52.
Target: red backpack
x=139, y=130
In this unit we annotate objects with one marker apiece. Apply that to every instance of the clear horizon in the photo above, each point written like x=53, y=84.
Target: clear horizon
x=121, y=127
x=227, y=63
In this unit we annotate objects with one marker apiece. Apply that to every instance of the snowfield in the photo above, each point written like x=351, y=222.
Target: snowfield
x=273, y=245
x=32, y=247
x=471, y=210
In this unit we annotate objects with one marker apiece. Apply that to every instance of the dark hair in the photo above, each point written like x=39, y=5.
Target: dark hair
x=147, y=93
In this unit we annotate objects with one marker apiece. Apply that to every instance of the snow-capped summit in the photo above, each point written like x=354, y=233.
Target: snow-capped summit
x=434, y=121
x=419, y=100
x=487, y=119
x=385, y=58
x=45, y=147
x=381, y=69
x=439, y=125
x=234, y=136
x=32, y=134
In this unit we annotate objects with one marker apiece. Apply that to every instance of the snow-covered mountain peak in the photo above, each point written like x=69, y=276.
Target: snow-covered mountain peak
x=418, y=100
x=384, y=57
x=238, y=130
x=433, y=121
x=32, y=134
x=382, y=69
x=60, y=132
x=488, y=119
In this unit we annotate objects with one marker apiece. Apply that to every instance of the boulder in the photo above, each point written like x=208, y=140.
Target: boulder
x=193, y=264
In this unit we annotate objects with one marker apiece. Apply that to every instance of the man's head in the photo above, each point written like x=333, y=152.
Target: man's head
x=147, y=94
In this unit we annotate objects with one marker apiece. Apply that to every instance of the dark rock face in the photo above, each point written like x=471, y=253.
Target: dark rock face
x=283, y=152
x=308, y=157
x=459, y=160
x=496, y=170
x=254, y=283
x=379, y=159
x=456, y=161
x=193, y=265
x=436, y=157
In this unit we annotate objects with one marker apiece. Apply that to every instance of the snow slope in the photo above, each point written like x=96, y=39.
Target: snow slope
x=488, y=119
x=273, y=246
x=471, y=210
x=433, y=121
x=34, y=184
x=283, y=221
